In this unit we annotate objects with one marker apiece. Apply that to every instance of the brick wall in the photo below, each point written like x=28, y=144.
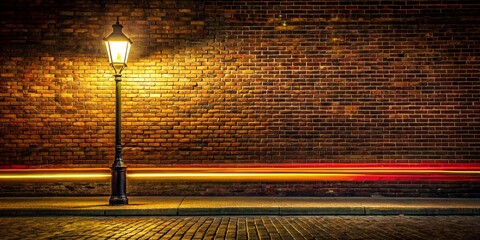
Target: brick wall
x=241, y=82
x=281, y=189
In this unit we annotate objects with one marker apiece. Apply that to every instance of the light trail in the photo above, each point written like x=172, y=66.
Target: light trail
x=427, y=172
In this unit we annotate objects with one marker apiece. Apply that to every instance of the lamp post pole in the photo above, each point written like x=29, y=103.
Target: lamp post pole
x=118, y=168
x=118, y=47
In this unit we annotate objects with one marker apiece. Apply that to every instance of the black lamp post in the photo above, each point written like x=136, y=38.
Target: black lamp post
x=118, y=47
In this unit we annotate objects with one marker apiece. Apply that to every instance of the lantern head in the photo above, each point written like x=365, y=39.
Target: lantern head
x=118, y=47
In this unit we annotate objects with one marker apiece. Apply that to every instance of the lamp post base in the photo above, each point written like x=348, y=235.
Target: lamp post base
x=119, y=186
x=114, y=201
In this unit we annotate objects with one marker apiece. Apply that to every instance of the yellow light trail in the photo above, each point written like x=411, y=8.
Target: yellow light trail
x=248, y=174
x=227, y=177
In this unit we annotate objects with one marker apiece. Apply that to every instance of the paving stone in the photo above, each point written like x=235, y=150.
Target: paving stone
x=242, y=227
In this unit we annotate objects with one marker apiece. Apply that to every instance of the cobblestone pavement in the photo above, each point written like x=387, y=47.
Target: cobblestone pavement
x=236, y=227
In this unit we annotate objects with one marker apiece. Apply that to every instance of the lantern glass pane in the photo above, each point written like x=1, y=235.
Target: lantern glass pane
x=118, y=51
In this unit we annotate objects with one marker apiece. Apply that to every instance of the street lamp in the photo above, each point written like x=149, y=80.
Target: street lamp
x=118, y=47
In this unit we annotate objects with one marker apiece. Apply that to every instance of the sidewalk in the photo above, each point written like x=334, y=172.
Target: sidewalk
x=190, y=206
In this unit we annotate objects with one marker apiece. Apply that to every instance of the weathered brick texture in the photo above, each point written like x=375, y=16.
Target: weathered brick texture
x=241, y=82
x=188, y=188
